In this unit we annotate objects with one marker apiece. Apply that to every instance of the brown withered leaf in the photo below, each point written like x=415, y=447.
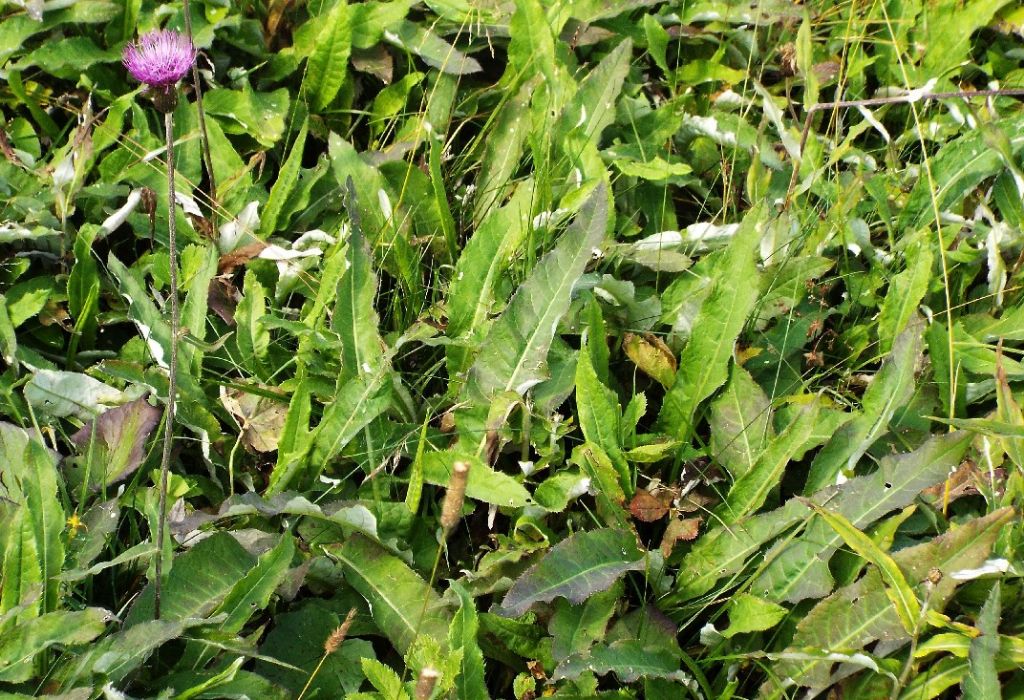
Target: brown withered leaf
x=652, y=356
x=648, y=507
x=684, y=530
x=239, y=256
x=113, y=445
x=962, y=482
x=261, y=418
x=222, y=297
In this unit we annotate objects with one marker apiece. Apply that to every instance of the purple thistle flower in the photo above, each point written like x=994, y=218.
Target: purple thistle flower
x=160, y=58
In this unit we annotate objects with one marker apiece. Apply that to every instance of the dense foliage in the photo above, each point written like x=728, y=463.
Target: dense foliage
x=737, y=374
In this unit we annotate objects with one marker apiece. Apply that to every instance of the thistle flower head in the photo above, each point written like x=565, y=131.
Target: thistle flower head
x=160, y=58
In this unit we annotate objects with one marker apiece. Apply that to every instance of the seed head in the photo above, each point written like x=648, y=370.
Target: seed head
x=338, y=635
x=451, y=511
x=160, y=58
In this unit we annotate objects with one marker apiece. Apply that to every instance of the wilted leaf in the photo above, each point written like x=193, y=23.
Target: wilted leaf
x=652, y=355
x=647, y=507
x=114, y=445
x=261, y=418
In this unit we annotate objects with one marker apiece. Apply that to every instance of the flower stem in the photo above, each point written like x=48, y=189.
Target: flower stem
x=172, y=378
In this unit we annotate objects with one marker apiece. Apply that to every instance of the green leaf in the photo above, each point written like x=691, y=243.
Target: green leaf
x=799, y=569
x=326, y=68
x=854, y=616
x=20, y=644
x=906, y=291
x=513, y=354
x=198, y=582
x=628, y=659
x=575, y=628
x=61, y=394
x=484, y=483
x=907, y=606
x=295, y=647
x=749, y=492
x=576, y=568
x=982, y=680
x=600, y=415
x=33, y=550
x=748, y=613
x=285, y=184
x=260, y=115
x=890, y=389
x=479, y=270
x=435, y=51
x=503, y=151
x=469, y=684
x=253, y=591
x=251, y=333
x=704, y=363
x=958, y=168
x=532, y=45
x=740, y=421
x=403, y=605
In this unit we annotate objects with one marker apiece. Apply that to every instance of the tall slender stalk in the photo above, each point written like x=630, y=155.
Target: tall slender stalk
x=172, y=379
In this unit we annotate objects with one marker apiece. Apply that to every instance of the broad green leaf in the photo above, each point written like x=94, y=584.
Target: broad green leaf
x=484, y=483
x=61, y=394
x=252, y=592
x=628, y=659
x=295, y=646
x=958, y=168
x=592, y=109
x=749, y=492
x=403, y=605
x=723, y=552
x=513, y=354
x=600, y=415
x=575, y=628
x=982, y=680
x=906, y=291
x=198, y=582
x=890, y=389
x=435, y=51
x=748, y=613
x=740, y=423
x=355, y=318
x=503, y=150
x=260, y=115
x=327, y=66
x=33, y=547
x=251, y=332
x=370, y=19
x=295, y=441
x=20, y=644
x=799, y=569
x=478, y=270
x=704, y=363
x=575, y=569
x=532, y=46
x=284, y=185
x=908, y=608
x=469, y=684
x=854, y=616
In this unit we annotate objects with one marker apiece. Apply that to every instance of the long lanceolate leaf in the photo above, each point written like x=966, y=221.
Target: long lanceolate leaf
x=394, y=591
x=862, y=612
x=800, y=569
x=513, y=355
x=326, y=69
x=704, y=363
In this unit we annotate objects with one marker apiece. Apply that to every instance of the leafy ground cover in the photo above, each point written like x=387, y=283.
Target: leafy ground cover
x=736, y=370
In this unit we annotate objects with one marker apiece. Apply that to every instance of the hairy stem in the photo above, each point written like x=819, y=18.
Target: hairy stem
x=172, y=378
